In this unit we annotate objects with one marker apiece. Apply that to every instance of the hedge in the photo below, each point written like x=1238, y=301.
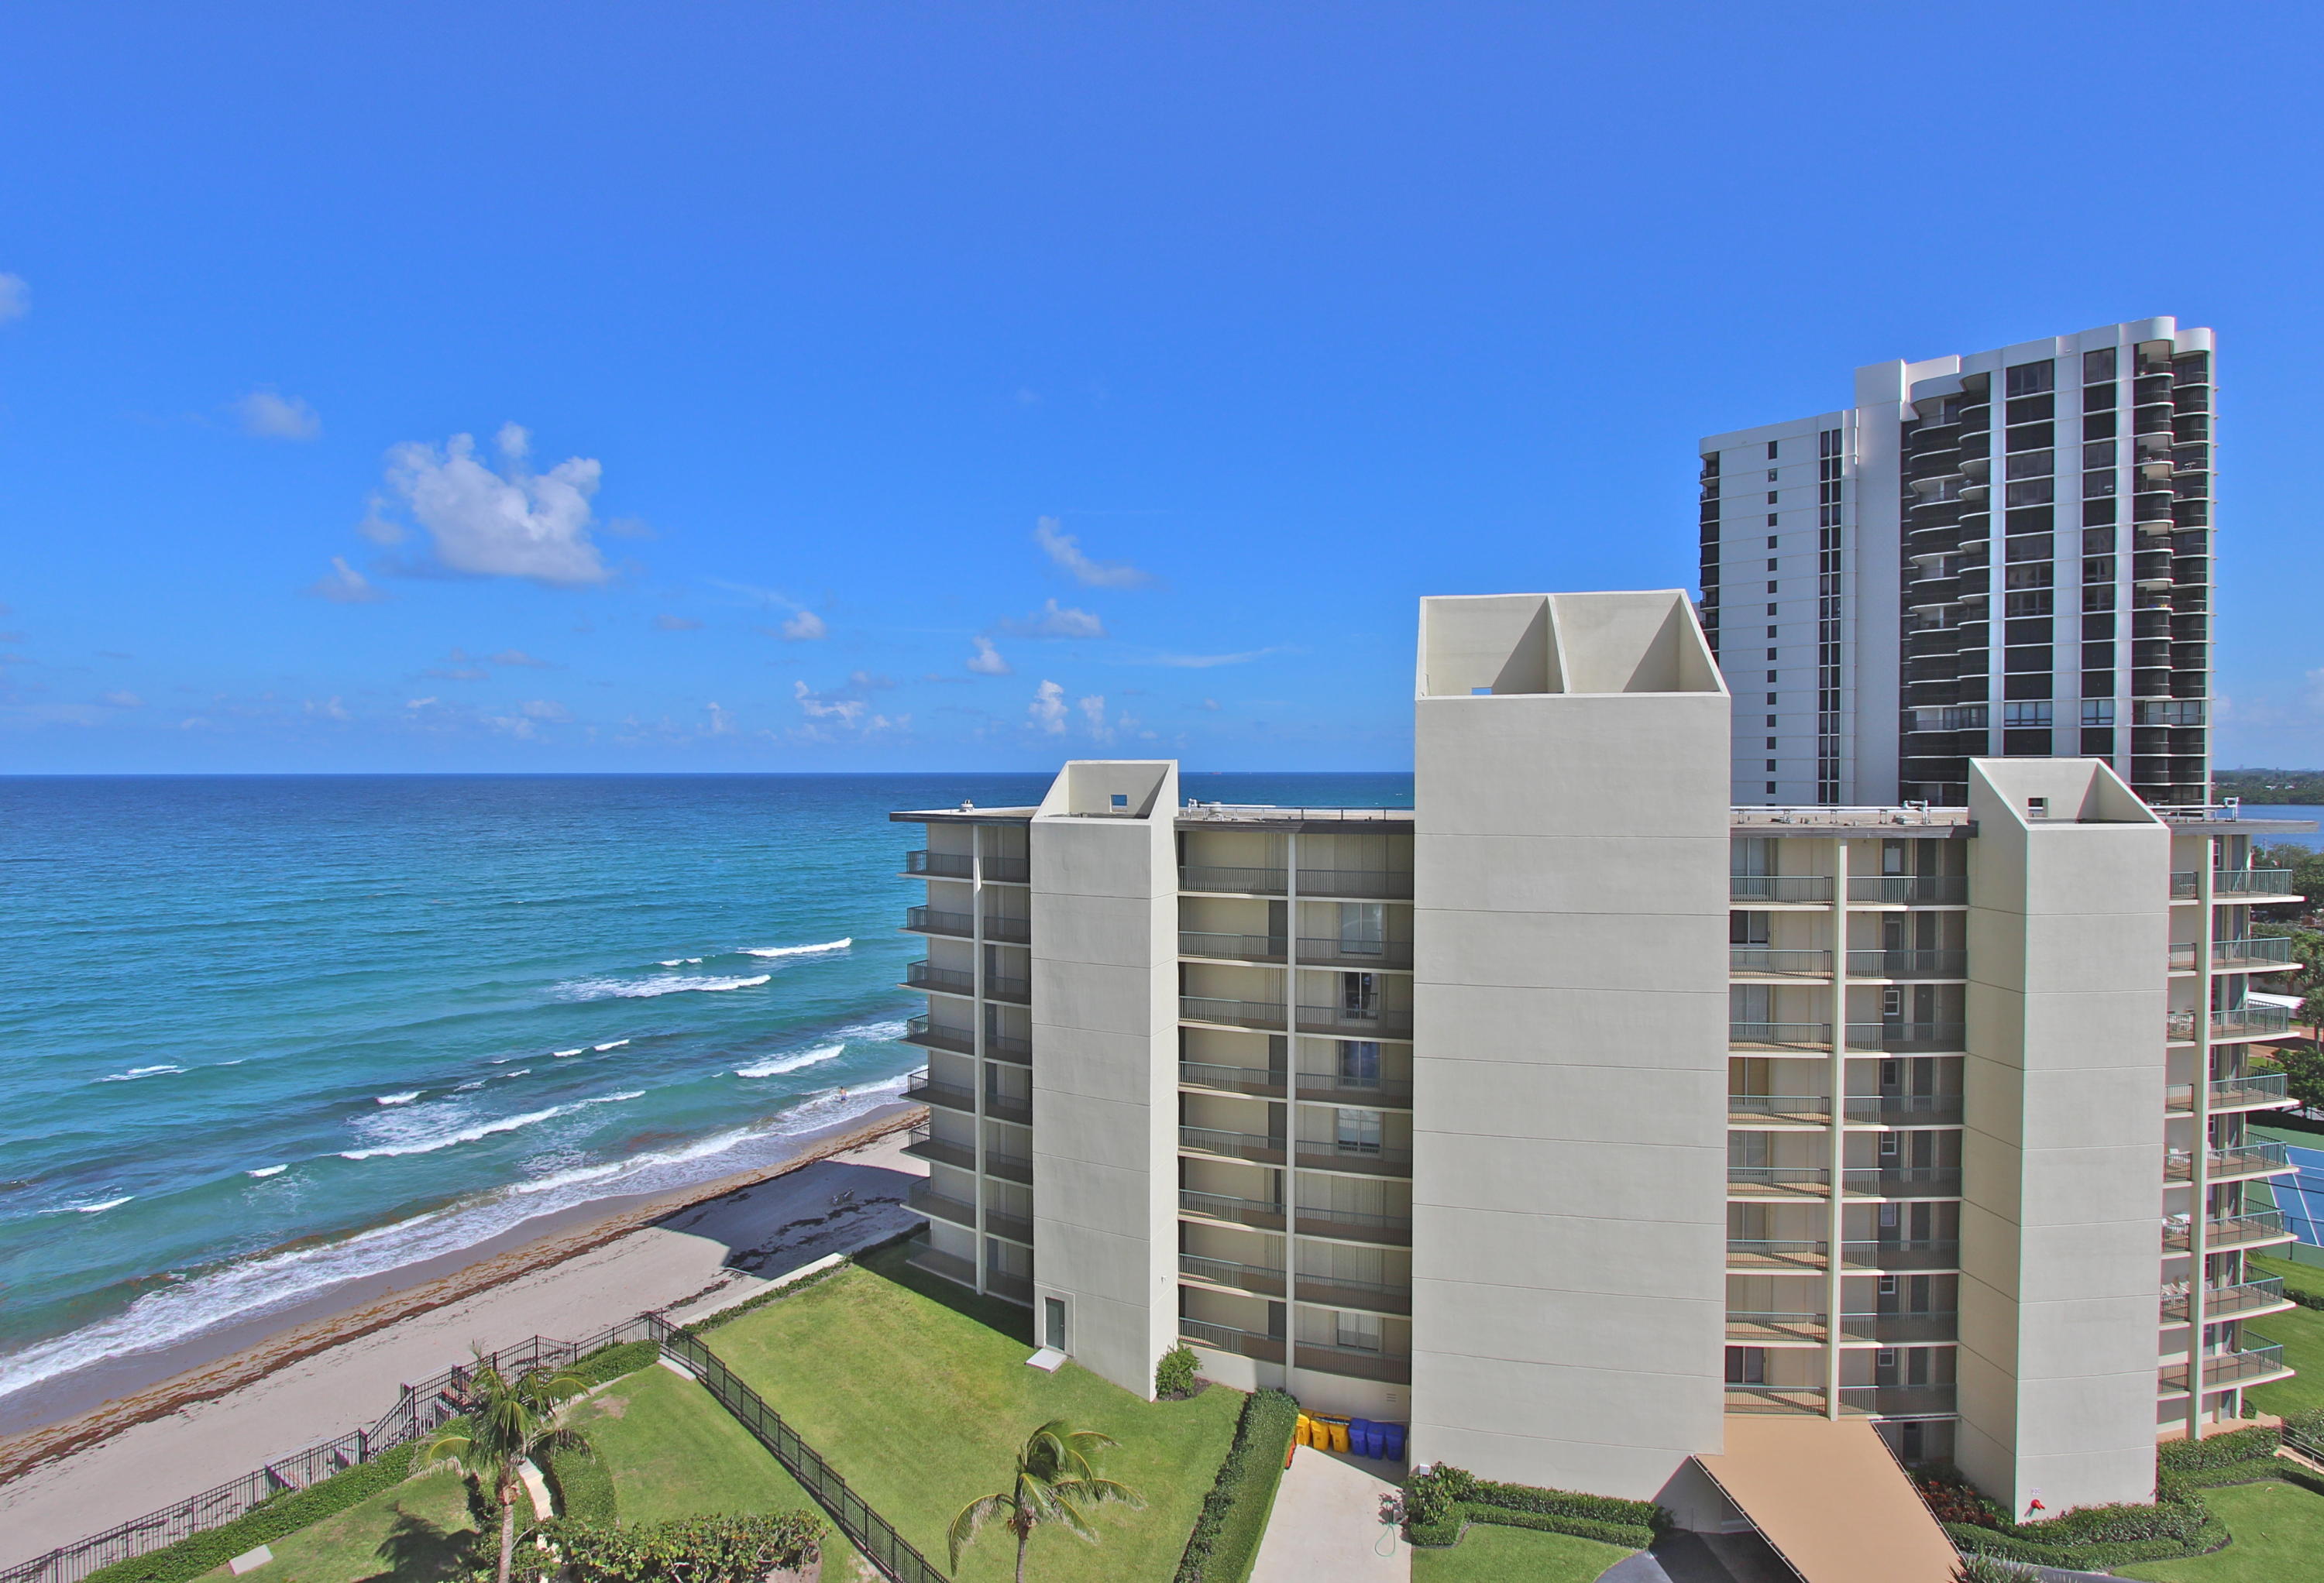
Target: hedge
x=1439, y=1505
x=1225, y=1539
x=269, y=1520
x=2098, y=1538
x=608, y=1363
x=578, y=1476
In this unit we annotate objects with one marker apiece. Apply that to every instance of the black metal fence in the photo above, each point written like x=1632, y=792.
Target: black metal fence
x=869, y=1531
x=419, y=1409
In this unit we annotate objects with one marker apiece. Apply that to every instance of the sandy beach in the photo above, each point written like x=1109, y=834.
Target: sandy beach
x=303, y=1376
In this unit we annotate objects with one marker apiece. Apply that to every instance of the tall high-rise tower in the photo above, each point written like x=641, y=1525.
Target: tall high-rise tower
x=2005, y=553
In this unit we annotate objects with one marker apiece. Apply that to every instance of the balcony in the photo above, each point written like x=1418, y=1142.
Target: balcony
x=1760, y=1254
x=926, y=1090
x=1234, y=881
x=1787, y=1400
x=1908, y=964
x=2234, y=1022
x=1807, y=1110
x=950, y=1266
x=1900, y=1329
x=922, y=1144
x=1897, y=1400
x=1354, y=1226
x=1231, y=1080
x=1906, y=1035
x=1779, y=1035
x=1356, y=1023
x=1339, y=1088
x=2244, y=1367
x=1009, y=1288
x=2223, y=1302
x=1904, y=1109
x=2252, y=1092
x=1232, y=1145
x=1241, y=1014
x=1008, y=1227
x=1328, y=952
x=1226, y=1339
x=1016, y=992
x=1903, y=1181
x=1780, y=889
x=2250, y=1159
x=1323, y=1153
x=934, y=1036
x=1391, y=1367
x=1009, y=1048
x=1009, y=1167
x=1778, y=1181
x=1357, y=884
x=928, y=920
x=1220, y=1272
x=1015, y=1108
x=1901, y=1255
x=1266, y=948
x=1255, y=1213
x=920, y=975
x=2254, y=882
x=1775, y=1327
x=2223, y=1232
x=940, y=865
x=1909, y=889
x=1008, y=871
x=2261, y=955
x=1008, y=931
x=1365, y=1296
x=1763, y=961
x=937, y=1206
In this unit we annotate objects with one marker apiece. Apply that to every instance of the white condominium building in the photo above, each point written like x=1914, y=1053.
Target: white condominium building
x=1576, y=1116
x=2006, y=553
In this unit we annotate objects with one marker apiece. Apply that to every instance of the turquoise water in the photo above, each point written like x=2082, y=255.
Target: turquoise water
x=261, y=1035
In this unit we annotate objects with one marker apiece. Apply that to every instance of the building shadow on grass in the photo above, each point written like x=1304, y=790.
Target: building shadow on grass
x=417, y=1551
x=891, y=1261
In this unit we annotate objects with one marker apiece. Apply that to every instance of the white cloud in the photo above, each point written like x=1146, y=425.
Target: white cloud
x=1207, y=661
x=333, y=710
x=1055, y=621
x=547, y=709
x=379, y=528
x=804, y=626
x=343, y=585
x=15, y=298
x=721, y=722
x=518, y=657
x=421, y=702
x=820, y=707
x=511, y=523
x=271, y=416
x=1066, y=551
x=1048, y=708
x=1093, y=710
x=1210, y=703
x=122, y=700
x=677, y=624
x=987, y=660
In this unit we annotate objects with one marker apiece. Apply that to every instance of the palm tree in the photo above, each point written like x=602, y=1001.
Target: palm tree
x=1055, y=1479
x=507, y=1421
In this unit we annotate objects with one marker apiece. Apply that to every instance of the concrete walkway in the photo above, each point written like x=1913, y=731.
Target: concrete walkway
x=1327, y=1523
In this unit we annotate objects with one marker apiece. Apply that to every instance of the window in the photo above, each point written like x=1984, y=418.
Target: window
x=2098, y=425
x=2098, y=598
x=2097, y=399
x=2031, y=379
x=2030, y=575
x=1771, y=563
x=1121, y=800
x=1771, y=475
x=2097, y=486
x=2098, y=454
x=1053, y=1322
x=1363, y=928
x=1771, y=450
x=1359, y=1132
x=1357, y=1332
x=2029, y=546
x=2031, y=657
x=2097, y=568
x=2033, y=465
x=1744, y=928
x=2025, y=713
x=1746, y=1366
x=2032, y=409
x=2097, y=365
x=1771, y=496
x=1358, y=1064
x=2033, y=437
x=2037, y=602
x=1358, y=996
x=2032, y=492
x=2098, y=540
x=2097, y=742
x=2097, y=712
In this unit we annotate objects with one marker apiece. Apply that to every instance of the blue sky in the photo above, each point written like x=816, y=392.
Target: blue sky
x=880, y=386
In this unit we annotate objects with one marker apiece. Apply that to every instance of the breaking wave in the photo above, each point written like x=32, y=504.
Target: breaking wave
x=782, y=1063
x=796, y=950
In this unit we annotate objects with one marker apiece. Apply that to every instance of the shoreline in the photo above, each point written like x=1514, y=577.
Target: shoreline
x=89, y=1406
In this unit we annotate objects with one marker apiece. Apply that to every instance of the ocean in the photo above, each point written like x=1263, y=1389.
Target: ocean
x=263, y=1035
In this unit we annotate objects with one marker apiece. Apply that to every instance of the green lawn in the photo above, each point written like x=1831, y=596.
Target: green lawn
x=1492, y=1554
x=416, y=1533
x=674, y=1452
x=2279, y=1536
x=2301, y=1331
x=921, y=1399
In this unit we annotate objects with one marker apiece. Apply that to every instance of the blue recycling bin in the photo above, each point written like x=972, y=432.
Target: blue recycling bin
x=1393, y=1450
x=1360, y=1433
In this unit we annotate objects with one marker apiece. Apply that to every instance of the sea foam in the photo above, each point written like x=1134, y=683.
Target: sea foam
x=402, y=1099
x=266, y=1170
x=782, y=1063
x=797, y=950
x=616, y=1045
x=134, y=1072
x=647, y=988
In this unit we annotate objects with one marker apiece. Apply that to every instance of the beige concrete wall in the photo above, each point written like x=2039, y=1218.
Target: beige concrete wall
x=1105, y=1078
x=1571, y=1060
x=2062, y=1155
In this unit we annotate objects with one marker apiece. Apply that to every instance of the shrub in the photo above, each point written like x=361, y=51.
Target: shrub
x=1994, y=1569
x=687, y=1550
x=608, y=1363
x=1950, y=1498
x=1225, y=1539
x=2219, y=1450
x=270, y=1520
x=1174, y=1374
x=583, y=1487
x=1439, y=1504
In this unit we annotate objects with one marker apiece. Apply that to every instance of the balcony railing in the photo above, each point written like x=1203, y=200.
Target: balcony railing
x=934, y=1036
x=1779, y=1035
x=1392, y=1367
x=1009, y=931
x=1323, y=1153
x=1354, y=1226
x=1382, y=1023
x=1009, y=1047
x=920, y=975
x=1008, y=871
x=950, y=1266
x=1906, y=1035
x=941, y=865
x=1236, y=881
x=1008, y=1166
x=2250, y=1159
x=1806, y=1107
x=2252, y=882
x=1904, y=1181
x=1788, y=1400
x=1241, y=1145
x=1908, y=964
x=1340, y=1291
x=1011, y=1227
x=1909, y=889
x=1346, y=1089
x=1784, y=888
x=1267, y=948
x=2226, y=1369
x=1227, y=1271
x=1245, y=1014
x=1389, y=884
x=1324, y=951
x=2251, y=1090
x=1775, y=963
x=1783, y=1180
x=2261, y=953
x=1897, y=1400
x=950, y=1096
x=2184, y=957
x=1930, y=1325
x=921, y=1143
x=1017, y=991
x=941, y=1207
x=1228, y=1339
x=1902, y=1254
x=1233, y=1080
x=1015, y=1108
x=2224, y=1231
x=1764, y=1253
x=1243, y=1212
x=2184, y=885
x=1775, y=1327
x=2221, y=1303
x=2234, y=1022
x=1013, y=1288
x=928, y=920
x=1905, y=1110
